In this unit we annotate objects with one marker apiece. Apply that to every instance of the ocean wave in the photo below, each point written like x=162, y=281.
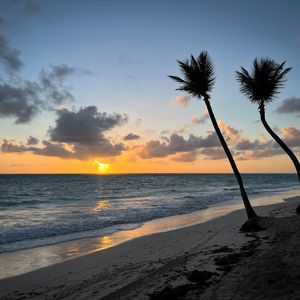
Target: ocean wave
x=58, y=208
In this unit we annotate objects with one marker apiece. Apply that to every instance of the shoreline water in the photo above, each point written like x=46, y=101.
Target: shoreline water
x=139, y=267
x=27, y=260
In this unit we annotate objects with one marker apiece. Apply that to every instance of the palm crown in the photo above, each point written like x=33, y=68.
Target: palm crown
x=198, y=75
x=265, y=80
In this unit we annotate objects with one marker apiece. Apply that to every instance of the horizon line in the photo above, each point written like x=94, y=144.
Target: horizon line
x=149, y=173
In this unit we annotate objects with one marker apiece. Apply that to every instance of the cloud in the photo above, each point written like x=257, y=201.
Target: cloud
x=85, y=126
x=185, y=156
x=51, y=82
x=181, y=101
x=131, y=136
x=178, y=148
x=200, y=120
x=48, y=149
x=78, y=135
x=231, y=134
x=9, y=56
x=246, y=144
x=214, y=153
x=85, y=131
x=289, y=106
x=20, y=102
x=32, y=140
x=25, y=99
x=9, y=147
x=178, y=144
x=291, y=136
x=52, y=149
x=183, y=128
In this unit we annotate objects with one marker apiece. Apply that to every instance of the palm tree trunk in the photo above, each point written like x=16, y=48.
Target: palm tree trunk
x=279, y=140
x=249, y=210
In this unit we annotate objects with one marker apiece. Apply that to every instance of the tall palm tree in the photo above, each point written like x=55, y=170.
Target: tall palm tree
x=261, y=86
x=199, y=78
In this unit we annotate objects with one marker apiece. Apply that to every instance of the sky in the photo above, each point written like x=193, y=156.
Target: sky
x=84, y=85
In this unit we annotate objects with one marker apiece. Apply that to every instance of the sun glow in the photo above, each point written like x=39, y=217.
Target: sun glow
x=102, y=167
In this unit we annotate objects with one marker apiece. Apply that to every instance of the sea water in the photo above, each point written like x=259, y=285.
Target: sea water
x=41, y=210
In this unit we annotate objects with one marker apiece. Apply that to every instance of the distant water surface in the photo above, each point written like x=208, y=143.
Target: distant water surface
x=40, y=210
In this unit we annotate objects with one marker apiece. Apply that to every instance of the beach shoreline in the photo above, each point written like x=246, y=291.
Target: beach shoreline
x=28, y=260
x=139, y=267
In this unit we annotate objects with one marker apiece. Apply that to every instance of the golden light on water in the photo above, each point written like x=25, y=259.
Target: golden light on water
x=106, y=241
x=101, y=204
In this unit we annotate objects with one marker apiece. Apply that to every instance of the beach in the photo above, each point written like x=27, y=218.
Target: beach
x=213, y=260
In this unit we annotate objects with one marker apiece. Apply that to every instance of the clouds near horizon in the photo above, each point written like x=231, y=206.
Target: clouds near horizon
x=179, y=148
x=182, y=101
x=76, y=134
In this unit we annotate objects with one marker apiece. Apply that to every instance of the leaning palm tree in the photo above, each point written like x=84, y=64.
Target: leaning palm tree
x=261, y=86
x=198, y=74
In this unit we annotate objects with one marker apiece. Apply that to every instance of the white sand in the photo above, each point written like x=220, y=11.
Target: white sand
x=134, y=269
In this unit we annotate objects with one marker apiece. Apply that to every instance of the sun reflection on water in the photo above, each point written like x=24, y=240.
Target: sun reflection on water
x=101, y=205
x=105, y=242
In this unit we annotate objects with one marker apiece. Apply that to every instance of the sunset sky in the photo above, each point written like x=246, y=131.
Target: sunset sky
x=84, y=85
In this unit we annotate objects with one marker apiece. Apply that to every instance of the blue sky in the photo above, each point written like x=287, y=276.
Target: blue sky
x=124, y=50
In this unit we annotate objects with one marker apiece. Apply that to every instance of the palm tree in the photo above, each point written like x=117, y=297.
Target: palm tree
x=261, y=86
x=198, y=81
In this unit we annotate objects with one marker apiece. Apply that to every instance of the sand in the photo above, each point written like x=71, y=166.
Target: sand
x=212, y=260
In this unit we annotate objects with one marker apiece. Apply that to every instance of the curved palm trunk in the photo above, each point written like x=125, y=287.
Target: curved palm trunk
x=249, y=210
x=278, y=140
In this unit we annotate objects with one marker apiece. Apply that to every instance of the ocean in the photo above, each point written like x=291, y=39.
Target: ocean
x=42, y=210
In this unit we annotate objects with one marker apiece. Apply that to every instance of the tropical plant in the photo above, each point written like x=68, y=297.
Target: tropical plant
x=198, y=80
x=261, y=86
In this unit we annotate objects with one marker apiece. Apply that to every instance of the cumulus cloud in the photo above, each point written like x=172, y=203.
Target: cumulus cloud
x=52, y=149
x=79, y=135
x=32, y=140
x=183, y=128
x=178, y=148
x=181, y=101
x=48, y=149
x=22, y=99
x=131, y=136
x=178, y=144
x=214, y=153
x=9, y=56
x=52, y=83
x=231, y=134
x=25, y=99
x=85, y=131
x=185, y=156
x=85, y=126
x=291, y=136
x=20, y=102
x=200, y=120
x=289, y=106
x=9, y=147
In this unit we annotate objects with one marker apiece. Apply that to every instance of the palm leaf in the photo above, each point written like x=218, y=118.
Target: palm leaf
x=264, y=81
x=198, y=75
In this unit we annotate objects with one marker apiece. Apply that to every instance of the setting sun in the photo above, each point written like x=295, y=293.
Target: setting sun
x=102, y=167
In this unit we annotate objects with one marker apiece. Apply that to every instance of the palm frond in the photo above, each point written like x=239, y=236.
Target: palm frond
x=264, y=81
x=198, y=75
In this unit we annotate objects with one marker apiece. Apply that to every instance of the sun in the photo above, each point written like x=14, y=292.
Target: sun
x=102, y=167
